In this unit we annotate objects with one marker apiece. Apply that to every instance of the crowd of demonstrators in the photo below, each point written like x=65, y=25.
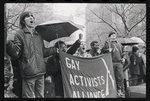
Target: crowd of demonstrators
x=113, y=46
x=27, y=52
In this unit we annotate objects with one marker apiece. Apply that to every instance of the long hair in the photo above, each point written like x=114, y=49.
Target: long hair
x=22, y=17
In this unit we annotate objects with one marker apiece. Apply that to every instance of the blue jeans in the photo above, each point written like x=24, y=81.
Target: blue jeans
x=33, y=87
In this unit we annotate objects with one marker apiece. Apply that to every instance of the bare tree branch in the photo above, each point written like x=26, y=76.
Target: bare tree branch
x=13, y=28
x=103, y=20
x=13, y=24
x=9, y=10
x=116, y=9
x=143, y=30
x=141, y=35
x=135, y=16
x=110, y=9
x=12, y=16
x=117, y=27
x=125, y=10
x=137, y=23
x=102, y=14
x=129, y=8
x=17, y=17
x=122, y=17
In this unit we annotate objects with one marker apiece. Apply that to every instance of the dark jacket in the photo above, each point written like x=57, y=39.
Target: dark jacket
x=127, y=62
x=134, y=68
x=141, y=66
x=57, y=76
x=93, y=52
x=116, y=53
x=30, y=52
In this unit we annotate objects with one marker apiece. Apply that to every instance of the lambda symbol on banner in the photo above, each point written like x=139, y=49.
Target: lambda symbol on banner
x=110, y=76
x=115, y=48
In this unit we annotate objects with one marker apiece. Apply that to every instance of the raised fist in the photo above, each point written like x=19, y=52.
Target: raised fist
x=80, y=36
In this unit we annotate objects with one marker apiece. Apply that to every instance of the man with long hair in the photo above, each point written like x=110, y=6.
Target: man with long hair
x=28, y=48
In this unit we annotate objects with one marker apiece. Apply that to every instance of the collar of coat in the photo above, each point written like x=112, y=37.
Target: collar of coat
x=27, y=31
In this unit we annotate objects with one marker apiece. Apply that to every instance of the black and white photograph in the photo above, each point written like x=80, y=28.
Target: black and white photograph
x=75, y=50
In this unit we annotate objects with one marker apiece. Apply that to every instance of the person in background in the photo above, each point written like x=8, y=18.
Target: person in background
x=53, y=65
x=142, y=67
x=113, y=46
x=81, y=52
x=28, y=48
x=134, y=67
x=8, y=78
x=126, y=65
x=144, y=58
x=144, y=61
x=95, y=49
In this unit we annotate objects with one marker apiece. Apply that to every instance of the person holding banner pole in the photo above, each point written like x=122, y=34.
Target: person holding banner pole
x=53, y=65
x=113, y=46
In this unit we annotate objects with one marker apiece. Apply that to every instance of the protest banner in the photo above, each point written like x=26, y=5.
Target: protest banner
x=88, y=77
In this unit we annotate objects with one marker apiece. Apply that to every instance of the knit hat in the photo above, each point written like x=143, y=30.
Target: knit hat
x=134, y=49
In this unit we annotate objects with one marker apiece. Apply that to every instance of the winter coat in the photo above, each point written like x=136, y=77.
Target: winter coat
x=126, y=64
x=116, y=52
x=53, y=66
x=143, y=56
x=134, y=64
x=94, y=53
x=141, y=66
x=30, y=52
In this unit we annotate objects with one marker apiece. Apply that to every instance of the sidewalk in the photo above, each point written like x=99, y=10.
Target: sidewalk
x=137, y=91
